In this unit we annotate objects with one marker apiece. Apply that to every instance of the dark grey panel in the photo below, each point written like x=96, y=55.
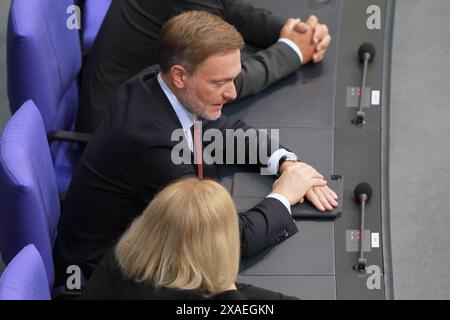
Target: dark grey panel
x=354, y=33
x=303, y=287
x=361, y=287
x=311, y=110
x=307, y=98
x=313, y=146
x=358, y=162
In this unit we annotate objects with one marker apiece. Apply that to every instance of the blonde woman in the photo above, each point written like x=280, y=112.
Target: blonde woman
x=184, y=246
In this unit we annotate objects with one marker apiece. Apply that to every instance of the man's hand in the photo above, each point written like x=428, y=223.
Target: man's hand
x=316, y=33
x=296, y=180
x=321, y=37
x=323, y=198
x=303, y=40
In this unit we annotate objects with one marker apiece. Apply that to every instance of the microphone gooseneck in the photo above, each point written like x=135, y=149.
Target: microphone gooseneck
x=366, y=54
x=363, y=194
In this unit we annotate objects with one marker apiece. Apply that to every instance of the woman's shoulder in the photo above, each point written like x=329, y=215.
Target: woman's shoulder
x=110, y=283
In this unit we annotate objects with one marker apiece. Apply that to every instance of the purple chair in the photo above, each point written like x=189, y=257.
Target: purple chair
x=24, y=278
x=29, y=204
x=93, y=14
x=44, y=61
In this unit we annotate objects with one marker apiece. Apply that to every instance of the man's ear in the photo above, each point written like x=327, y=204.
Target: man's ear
x=178, y=76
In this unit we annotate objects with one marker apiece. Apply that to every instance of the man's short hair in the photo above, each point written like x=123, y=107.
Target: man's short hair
x=192, y=37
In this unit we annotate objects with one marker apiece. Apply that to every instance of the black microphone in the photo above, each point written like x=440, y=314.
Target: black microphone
x=366, y=51
x=363, y=193
x=366, y=54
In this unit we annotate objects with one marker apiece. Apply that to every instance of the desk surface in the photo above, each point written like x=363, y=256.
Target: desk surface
x=313, y=111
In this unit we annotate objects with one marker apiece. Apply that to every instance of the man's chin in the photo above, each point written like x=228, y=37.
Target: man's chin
x=212, y=116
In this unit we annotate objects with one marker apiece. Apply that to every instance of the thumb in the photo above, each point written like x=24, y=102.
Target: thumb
x=290, y=23
x=302, y=27
x=275, y=183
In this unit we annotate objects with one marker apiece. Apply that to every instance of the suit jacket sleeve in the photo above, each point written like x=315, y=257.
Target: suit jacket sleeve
x=265, y=225
x=259, y=27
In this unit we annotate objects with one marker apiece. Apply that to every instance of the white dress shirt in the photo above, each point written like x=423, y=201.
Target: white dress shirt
x=294, y=47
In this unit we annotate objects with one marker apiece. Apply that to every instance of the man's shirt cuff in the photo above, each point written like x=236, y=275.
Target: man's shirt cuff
x=272, y=164
x=282, y=199
x=294, y=47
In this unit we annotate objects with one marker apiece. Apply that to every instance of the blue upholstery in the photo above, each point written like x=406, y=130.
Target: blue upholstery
x=44, y=61
x=29, y=203
x=93, y=14
x=24, y=278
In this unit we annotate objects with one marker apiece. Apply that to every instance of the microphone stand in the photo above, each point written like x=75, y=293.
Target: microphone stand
x=360, y=115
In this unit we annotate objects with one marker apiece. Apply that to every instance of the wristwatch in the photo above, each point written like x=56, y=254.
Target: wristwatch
x=288, y=157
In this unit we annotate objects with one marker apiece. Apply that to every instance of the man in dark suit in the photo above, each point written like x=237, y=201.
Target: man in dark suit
x=127, y=43
x=131, y=156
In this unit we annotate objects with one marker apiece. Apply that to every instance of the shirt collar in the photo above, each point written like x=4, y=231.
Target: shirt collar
x=186, y=118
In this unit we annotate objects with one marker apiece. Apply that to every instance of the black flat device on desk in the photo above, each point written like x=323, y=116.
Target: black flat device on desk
x=250, y=188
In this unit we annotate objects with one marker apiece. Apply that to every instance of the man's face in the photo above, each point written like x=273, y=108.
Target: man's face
x=211, y=85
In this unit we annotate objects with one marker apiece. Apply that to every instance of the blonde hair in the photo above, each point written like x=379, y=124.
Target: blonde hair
x=193, y=36
x=187, y=238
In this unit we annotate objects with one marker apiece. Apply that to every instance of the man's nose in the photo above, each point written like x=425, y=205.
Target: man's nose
x=230, y=92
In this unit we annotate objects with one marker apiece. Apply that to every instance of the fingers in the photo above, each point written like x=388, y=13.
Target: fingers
x=302, y=27
x=331, y=200
x=318, y=57
x=332, y=193
x=318, y=182
x=323, y=198
x=312, y=21
x=320, y=32
x=291, y=23
x=324, y=43
x=321, y=48
x=314, y=199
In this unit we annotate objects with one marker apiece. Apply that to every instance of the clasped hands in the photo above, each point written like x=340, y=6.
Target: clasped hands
x=311, y=37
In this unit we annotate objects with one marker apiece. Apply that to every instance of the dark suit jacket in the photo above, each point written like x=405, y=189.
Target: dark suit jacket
x=127, y=43
x=126, y=163
x=109, y=283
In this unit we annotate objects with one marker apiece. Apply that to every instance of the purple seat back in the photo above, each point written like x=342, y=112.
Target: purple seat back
x=24, y=278
x=29, y=203
x=44, y=61
x=93, y=14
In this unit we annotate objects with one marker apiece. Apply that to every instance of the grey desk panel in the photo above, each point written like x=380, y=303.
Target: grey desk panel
x=310, y=251
x=303, y=287
x=307, y=98
x=361, y=287
x=355, y=33
x=310, y=110
x=313, y=146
